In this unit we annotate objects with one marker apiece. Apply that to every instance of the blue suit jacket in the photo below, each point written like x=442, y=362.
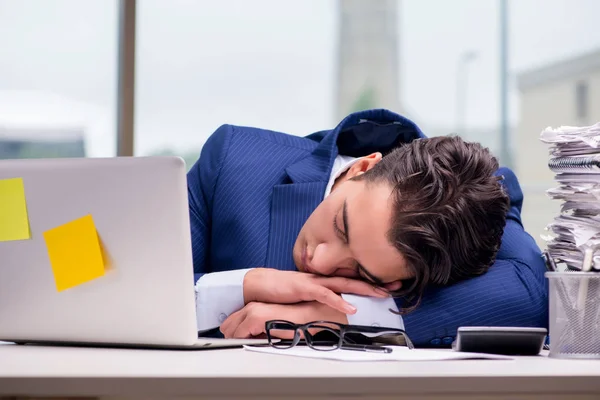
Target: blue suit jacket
x=252, y=190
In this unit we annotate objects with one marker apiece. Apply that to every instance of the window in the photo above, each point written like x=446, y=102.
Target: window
x=58, y=78
x=296, y=67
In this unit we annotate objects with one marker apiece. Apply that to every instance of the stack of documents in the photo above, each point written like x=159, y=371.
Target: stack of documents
x=575, y=158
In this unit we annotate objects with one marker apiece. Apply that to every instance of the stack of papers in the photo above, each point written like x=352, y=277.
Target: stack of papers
x=399, y=353
x=575, y=158
x=577, y=140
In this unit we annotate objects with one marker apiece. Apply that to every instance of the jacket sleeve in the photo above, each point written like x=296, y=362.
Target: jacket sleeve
x=202, y=181
x=513, y=292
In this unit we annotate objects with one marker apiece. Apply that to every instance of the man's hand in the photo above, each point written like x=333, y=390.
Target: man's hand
x=250, y=320
x=266, y=285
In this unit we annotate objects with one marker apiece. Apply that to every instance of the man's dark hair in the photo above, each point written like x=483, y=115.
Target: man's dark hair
x=449, y=210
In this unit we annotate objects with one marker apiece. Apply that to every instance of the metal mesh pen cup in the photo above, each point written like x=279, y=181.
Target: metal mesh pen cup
x=574, y=314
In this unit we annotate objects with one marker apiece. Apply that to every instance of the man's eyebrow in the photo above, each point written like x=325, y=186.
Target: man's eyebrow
x=369, y=275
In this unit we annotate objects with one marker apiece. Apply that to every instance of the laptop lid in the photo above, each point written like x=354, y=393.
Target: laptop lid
x=138, y=208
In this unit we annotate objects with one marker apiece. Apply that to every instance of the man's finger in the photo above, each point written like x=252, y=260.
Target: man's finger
x=229, y=326
x=317, y=292
x=250, y=326
x=352, y=286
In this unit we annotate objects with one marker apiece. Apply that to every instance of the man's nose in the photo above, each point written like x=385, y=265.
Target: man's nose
x=327, y=258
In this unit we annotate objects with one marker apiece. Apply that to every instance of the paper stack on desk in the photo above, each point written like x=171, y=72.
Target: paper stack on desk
x=575, y=158
x=399, y=353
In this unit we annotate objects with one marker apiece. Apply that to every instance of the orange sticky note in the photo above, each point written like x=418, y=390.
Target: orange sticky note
x=14, y=222
x=75, y=253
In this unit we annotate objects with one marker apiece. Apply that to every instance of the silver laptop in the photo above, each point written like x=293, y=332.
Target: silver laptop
x=144, y=298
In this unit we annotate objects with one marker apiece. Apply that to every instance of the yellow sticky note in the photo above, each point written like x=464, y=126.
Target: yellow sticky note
x=75, y=253
x=14, y=222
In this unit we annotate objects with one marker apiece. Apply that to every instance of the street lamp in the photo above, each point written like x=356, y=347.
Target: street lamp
x=461, y=88
x=505, y=156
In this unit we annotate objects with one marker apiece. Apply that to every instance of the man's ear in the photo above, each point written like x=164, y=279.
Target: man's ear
x=364, y=164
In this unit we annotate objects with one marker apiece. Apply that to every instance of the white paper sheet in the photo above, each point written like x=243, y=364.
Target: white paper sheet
x=399, y=353
x=590, y=135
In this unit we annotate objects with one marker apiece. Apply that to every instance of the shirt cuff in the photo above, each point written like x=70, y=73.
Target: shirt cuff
x=374, y=311
x=219, y=294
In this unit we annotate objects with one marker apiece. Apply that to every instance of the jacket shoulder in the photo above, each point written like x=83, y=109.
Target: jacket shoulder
x=236, y=151
x=244, y=136
x=511, y=185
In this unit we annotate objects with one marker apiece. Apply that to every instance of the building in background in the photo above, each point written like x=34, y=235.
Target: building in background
x=367, y=59
x=36, y=124
x=41, y=142
x=564, y=93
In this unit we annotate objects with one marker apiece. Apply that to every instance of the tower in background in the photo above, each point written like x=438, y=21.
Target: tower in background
x=367, y=61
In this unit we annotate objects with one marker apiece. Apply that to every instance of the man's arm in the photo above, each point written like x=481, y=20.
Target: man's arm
x=513, y=292
x=250, y=320
x=216, y=295
x=219, y=294
x=202, y=179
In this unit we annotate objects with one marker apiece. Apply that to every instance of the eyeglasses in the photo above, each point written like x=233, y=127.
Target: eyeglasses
x=327, y=336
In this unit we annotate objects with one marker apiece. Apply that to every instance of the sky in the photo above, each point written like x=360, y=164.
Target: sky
x=265, y=63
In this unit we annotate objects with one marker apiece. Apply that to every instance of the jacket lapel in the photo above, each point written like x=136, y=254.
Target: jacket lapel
x=291, y=206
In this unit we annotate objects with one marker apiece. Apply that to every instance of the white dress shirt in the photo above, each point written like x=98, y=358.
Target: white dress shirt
x=219, y=294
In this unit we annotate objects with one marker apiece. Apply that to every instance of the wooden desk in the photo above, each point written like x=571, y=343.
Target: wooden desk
x=37, y=371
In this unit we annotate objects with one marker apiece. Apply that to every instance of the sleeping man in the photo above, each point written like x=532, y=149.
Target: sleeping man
x=369, y=223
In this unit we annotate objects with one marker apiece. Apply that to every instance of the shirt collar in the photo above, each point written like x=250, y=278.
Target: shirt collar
x=340, y=165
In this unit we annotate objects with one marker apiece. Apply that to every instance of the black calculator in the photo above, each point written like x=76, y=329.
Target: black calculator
x=504, y=340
